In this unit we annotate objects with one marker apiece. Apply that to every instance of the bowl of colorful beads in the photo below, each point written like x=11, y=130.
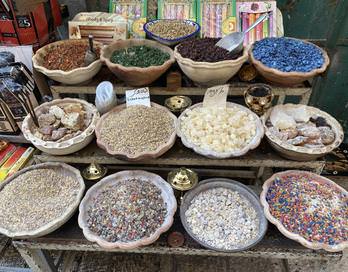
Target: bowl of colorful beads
x=288, y=61
x=307, y=208
x=171, y=32
x=138, y=62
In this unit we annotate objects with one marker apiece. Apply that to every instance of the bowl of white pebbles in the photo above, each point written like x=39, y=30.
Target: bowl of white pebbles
x=223, y=215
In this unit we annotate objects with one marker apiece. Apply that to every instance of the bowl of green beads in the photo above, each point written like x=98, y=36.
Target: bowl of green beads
x=137, y=62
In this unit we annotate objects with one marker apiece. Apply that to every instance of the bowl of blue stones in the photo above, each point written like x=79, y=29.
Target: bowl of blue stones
x=288, y=61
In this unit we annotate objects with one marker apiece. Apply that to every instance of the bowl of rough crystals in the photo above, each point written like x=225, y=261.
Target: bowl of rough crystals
x=218, y=210
x=131, y=75
x=288, y=61
x=176, y=31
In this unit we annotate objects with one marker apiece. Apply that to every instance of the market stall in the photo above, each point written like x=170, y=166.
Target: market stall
x=182, y=151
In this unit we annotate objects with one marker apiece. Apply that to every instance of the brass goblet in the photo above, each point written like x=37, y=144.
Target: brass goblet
x=259, y=98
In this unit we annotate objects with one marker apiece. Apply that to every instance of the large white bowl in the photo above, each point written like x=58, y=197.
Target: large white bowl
x=75, y=76
x=167, y=195
x=301, y=153
x=210, y=73
x=66, y=147
x=218, y=155
x=66, y=170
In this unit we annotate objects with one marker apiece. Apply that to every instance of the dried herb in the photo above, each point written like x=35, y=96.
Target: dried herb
x=139, y=56
x=171, y=29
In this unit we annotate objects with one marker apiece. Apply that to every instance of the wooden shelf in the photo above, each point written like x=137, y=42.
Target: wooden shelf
x=179, y=155
x=14, y=138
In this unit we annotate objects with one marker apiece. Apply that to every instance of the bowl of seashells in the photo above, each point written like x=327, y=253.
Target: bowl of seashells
x=300, y=132
x=65, y=126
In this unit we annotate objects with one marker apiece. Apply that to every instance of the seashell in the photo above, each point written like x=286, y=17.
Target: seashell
x=299, y=140
x=314, y=141
x=46, y=119
x=290, y=133
x=309, y=131
x=327, y=135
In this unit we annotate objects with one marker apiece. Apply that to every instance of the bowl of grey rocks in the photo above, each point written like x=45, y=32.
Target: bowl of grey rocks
x=223, y=215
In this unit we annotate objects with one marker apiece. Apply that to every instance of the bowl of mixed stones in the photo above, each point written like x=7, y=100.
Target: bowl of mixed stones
x=39, y=199
x=223, y=215
x=171, y=32
x=127, y=210
x=137, y=132
x=300, y=132
x=288, y=61
x=207, y=64
x=65, y=126
x=137, y=62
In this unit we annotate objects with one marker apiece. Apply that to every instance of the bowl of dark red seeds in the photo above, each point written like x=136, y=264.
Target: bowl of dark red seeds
x=307, y=208
x=207, y=64
x=63, y=61
x=127, y=210
x=288, y=61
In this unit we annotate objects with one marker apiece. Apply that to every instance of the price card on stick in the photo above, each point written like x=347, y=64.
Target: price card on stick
x=216, y=96
x=138, y=97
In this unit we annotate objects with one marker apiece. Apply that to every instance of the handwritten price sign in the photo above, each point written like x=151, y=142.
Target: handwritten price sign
x=138, y=97
x=216, y=96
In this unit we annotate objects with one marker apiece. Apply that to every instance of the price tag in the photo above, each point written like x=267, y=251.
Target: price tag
x=138, y=97
x=216, y=96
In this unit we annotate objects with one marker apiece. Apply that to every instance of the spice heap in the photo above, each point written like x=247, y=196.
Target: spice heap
x=127, y=211
x=139, y=56
x=218, y=129
x=296, y=126
x=288, y=55
x=222, y=218
x=137, y=129
x=171, y=29
x=36, y=198
x=62, y=122
x=204, y=50
x=312, y=208
x=67, y=56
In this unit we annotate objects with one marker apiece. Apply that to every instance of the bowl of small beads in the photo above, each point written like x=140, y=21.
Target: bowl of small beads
x=138, y=62
x=307, y=208
x=63, y=61
x=288, y=61
x=206, y=64
x=223, y=215
x=171, y=32
x=127, y=210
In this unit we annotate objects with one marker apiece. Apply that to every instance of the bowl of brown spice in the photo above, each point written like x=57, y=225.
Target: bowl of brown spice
x=63, y=61
x=137, y=132
x=207, y=64
x=137, y=62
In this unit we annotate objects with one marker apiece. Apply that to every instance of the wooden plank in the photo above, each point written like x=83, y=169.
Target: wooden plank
x=180, y=155
x=14, y=138
x=235, y=90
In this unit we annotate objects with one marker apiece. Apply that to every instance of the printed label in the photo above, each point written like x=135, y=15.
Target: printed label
x=138, y=97
x=216, y=96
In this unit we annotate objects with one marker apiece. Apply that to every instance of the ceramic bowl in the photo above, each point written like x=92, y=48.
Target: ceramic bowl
x=235, y=186
x=171, y=42
x=66, y=170
x=139, y=156
x=218, y=155
x=284, y=230
x=65, y=147
x=287, y=78
x=300, y=153
x=73, y=77
x=136, y=76
x=167, y=195
x=208, y=74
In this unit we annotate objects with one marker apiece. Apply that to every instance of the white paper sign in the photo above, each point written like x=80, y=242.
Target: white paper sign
x=138, y=97
x=216, y=96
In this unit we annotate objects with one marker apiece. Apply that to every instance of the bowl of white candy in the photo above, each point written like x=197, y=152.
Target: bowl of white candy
x=220, y=132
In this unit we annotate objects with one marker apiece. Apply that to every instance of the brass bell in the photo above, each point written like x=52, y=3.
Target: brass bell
x=94, y=171
x=183, y=179
x=178, y=103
